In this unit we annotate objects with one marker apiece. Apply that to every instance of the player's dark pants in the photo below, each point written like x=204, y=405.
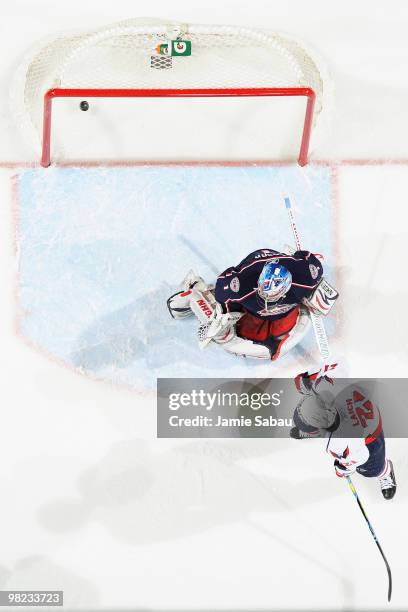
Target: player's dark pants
x=270, y=333
x=374, y=465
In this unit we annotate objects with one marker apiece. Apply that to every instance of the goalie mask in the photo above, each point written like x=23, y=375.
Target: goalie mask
x=274, y=282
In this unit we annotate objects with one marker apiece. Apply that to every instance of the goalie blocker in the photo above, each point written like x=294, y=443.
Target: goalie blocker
x=323, y=298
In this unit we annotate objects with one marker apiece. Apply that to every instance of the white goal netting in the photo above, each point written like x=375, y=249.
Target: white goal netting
x=122, y=55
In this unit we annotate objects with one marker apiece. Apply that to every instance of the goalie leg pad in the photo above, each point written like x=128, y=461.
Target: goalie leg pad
x=192, y=279
x=294, y=336
x=202, y=304
x=246, y=348
x=275, y=346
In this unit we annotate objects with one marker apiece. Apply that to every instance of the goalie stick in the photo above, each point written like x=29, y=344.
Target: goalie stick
x=317, y=321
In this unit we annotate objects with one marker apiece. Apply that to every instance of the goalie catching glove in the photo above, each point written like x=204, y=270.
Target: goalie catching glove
x=307, y=382
x=343, y=470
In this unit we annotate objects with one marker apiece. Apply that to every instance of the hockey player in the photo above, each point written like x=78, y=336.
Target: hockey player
x=268, y=288
x=258, y=308
x=350, y=421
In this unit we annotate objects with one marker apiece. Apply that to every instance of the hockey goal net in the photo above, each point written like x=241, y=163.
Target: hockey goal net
x=125, y=60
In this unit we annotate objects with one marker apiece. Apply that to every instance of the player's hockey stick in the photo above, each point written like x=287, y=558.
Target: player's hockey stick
x=353, y=490
x=317, y=321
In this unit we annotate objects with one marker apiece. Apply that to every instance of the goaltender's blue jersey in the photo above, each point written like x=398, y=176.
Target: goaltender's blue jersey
x=236, y=287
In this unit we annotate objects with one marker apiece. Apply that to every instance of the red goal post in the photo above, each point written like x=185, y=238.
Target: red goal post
x=306, y=92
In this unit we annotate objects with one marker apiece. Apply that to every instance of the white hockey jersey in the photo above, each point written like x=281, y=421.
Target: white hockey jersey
x=359, y=425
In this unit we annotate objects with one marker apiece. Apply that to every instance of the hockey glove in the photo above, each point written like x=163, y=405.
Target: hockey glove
x=343, y=470
x=306, y=383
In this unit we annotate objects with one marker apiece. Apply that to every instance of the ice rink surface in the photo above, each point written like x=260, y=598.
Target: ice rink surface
x=92, y=502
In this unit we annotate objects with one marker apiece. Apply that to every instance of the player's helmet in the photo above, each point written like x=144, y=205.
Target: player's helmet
x=274, y=282
x=313, y=414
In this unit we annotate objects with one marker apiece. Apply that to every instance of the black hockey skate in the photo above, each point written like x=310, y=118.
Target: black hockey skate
x=297, y=434
x=388, y=483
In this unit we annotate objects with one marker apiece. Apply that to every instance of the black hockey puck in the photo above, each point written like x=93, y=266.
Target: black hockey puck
x=84, y=105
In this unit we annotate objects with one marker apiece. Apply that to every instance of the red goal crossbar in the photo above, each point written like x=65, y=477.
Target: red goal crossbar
x=179, y=93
